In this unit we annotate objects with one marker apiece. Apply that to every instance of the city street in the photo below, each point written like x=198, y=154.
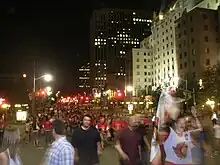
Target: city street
x=32, y=156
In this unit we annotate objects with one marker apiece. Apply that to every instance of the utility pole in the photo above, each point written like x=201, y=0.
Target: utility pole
x=186, y=95
x=194, y=97
x=33, y=110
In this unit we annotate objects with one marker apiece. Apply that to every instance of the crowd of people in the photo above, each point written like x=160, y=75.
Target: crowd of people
x=81, y=136
x=72, y=116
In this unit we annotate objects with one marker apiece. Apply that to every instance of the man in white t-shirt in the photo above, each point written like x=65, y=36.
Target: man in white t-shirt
x=214, y=118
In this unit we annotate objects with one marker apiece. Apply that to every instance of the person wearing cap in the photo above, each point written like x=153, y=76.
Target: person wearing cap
x=61, y=151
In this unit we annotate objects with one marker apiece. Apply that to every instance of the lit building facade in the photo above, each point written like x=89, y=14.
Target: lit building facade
x=84, y=78
x=114, y=32
x=142, y=66
x=165, y=56
x=207, y=4
x=197, y=42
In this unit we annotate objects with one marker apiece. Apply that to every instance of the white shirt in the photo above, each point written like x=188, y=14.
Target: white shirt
x=153, y=119
x=214, y=116
x=172, y=144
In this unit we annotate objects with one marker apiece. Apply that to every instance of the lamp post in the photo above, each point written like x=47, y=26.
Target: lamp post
x=46, y=77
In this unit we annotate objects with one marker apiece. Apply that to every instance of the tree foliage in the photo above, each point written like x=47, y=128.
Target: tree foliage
x=210, y=85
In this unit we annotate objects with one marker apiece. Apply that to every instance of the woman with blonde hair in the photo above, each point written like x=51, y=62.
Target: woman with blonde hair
x=9, y=150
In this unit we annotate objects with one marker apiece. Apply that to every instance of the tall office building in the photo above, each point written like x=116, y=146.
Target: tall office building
x=165, y=55
x=84, y=78
x=114, y=32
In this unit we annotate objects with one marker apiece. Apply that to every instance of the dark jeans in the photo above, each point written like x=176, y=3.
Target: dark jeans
x=111, y=131
x=145, y=157
x=214, y=121
x=35, y=135
x=48, y=136
x=1, y=136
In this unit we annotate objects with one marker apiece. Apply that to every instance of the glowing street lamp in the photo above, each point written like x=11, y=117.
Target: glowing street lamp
x=48, y=77
x=24, y=75
x=5, y=106
x=129, y=88
x=211, y=103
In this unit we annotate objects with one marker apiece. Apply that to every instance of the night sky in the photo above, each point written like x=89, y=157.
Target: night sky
x=55, y=35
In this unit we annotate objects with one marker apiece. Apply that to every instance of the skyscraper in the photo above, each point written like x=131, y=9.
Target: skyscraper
x=113, y=33
x=84, y=78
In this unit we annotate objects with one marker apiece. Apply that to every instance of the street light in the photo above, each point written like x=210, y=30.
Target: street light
x=211, y=103
x=129, y=88
x=24, y=75
x=47, y=78
x=5, y=106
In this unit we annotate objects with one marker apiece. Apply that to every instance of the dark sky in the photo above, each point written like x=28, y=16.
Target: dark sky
x=56, y=35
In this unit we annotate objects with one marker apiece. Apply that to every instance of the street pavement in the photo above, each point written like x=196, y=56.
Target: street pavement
x=33, y=156
x=30, y=155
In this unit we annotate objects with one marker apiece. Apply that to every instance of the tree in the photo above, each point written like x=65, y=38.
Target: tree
x=210, y=85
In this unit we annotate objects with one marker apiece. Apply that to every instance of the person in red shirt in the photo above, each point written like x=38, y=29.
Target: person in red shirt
x=102, y=126
x=118, y=124
x=48, y=133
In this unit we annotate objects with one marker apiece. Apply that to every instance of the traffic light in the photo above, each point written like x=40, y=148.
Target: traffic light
x=119, y=95
x=42, y=93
